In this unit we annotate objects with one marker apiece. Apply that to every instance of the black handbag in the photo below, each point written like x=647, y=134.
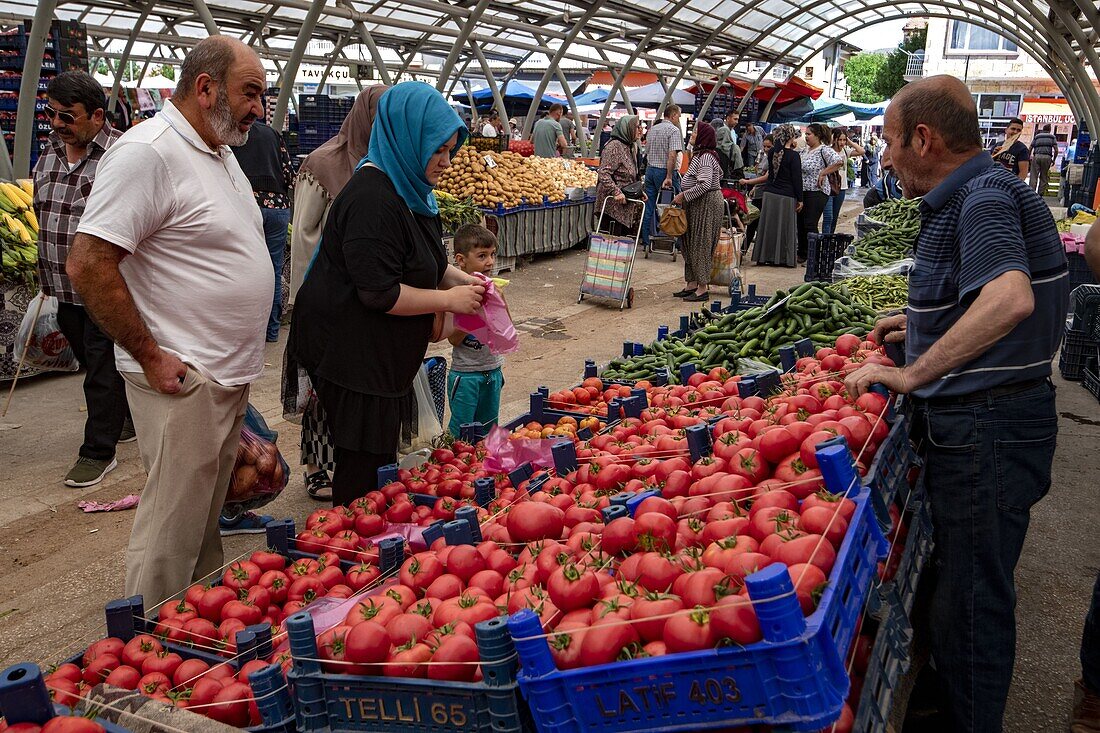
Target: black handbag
x=633, y=191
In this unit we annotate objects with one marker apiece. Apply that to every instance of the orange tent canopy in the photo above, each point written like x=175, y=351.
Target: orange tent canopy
x=790, y=90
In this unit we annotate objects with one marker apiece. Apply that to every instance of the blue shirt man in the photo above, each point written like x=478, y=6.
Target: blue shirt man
x=987, y=301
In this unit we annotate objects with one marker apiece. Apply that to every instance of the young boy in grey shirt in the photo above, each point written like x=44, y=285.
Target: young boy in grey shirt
x=475, y=379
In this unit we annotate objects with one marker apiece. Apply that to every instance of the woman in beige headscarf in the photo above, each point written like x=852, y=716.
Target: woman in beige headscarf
x=321, y=177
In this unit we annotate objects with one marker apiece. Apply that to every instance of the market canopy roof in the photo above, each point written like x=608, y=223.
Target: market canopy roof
x=788, y=91
x=682, y=40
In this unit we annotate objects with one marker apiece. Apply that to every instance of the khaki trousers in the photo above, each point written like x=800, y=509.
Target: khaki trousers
x=188, y=443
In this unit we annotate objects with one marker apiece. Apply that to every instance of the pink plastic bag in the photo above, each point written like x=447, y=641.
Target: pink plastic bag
x=491, y=325
x=505, y=454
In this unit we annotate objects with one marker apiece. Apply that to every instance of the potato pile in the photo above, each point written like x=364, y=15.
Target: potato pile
x=513, y=180
x=567, y=173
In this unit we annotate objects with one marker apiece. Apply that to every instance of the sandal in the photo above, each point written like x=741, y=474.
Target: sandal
x=319, y=486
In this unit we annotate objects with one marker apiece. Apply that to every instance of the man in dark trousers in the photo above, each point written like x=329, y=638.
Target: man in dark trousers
x=63, y=177
x=1044, y=149
x=988, y=296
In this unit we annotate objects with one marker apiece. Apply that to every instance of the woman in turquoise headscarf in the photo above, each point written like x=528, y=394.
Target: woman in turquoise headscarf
x=365, y=313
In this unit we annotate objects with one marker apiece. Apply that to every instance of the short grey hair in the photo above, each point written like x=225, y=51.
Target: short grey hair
x=213, y=56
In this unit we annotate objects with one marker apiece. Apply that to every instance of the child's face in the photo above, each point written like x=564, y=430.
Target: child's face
x=480, y=260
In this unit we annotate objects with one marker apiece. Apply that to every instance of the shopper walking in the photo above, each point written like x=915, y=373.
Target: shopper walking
x=756, y=195
x=1044, y=149
x=619, y=167
x=548, y=136
x=1011, y=152
x=266, y=162
x=752, y=142
x=171, y=261
x=729, y=152
x=365, y=314
x=818, y=162
x=703, y=203
x=872, y=160
x=323, y=174
x=848, y=149
x=62, y=178
x=664, y=142
x=568, y=128
x=987, y=303
x=782, y=201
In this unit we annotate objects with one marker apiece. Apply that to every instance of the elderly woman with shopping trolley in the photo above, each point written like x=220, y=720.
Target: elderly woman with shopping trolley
x=618, y=170
x=702, y=200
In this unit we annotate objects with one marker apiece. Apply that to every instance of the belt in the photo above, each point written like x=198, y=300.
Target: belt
x=984, y=395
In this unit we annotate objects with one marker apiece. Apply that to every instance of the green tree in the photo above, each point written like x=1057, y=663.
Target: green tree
x=891, y=76
x=166, y=70
x=862, y=72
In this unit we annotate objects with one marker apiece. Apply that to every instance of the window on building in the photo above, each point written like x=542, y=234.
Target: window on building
x=967, y=38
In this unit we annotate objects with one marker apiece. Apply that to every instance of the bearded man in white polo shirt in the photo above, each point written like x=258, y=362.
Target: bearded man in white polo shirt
x=171, y=262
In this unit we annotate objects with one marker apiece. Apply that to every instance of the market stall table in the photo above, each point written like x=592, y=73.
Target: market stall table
x=529, y=231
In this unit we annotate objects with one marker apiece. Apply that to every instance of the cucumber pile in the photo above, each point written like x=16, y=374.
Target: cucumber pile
x=810, y=311
x=896, y=238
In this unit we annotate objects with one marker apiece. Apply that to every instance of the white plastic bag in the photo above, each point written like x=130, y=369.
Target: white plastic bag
x=427, y=424
x=40, y=336
x=848, y=267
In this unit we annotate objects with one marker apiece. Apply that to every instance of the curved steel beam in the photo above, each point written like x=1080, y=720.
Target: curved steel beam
x=337, y=51
x=581, y=137
x=286, y=82
x=616, y=85
x=498, y=100
x=126, y=51
x=555, y=59
x=465, y=30
x=28, y=86
x=994, y=21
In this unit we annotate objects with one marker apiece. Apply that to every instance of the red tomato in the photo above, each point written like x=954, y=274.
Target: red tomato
x=211, y=603
x=648, y=606
x=408, y=627
x=455, y=660
x=656, y=572
x=571, y=588
x=811, y=548
x=750, y=464
x=808, y=581
x=746, y=563
x=825, y=521
x=188, y=672
x=808, y=450
x=620, y=537
x=535, y=520
x=656, y=532
x=68, y=724
x=802, y=479
x=465, y=562
x=125, y=677
x=605, y=641
x=830, y=502
x=408, y=661
x=367, y=643
x=735, y=619
x=420, y=570
x=688, y=632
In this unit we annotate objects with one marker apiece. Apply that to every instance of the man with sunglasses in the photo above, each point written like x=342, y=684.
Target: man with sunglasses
x=62, y=181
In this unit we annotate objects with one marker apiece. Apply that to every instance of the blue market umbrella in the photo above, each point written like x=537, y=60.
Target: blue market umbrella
x=517, y=98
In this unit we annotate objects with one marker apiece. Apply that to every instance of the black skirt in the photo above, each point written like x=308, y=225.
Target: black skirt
x=366, y=423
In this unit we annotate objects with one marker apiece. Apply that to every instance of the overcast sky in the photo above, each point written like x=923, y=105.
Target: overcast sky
x=883, y=35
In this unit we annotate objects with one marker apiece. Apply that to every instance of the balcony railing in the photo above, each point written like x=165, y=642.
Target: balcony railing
x=914, y=66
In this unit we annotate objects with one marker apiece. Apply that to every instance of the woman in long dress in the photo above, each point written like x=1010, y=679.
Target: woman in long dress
x=777, y=233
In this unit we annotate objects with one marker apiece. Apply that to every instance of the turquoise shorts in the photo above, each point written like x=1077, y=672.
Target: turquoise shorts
x=474, y=398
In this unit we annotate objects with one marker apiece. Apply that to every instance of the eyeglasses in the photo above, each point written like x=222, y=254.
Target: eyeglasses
x=67, y=117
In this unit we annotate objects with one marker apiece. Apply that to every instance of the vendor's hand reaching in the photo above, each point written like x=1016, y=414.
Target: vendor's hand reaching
x=890, y=330
x=465, y=299
x=163, y=371
x=678, y=199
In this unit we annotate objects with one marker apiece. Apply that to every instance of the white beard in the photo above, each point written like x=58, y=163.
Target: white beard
x=222, y=123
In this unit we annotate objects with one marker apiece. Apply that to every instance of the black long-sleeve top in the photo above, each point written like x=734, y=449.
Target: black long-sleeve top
x=785, y=176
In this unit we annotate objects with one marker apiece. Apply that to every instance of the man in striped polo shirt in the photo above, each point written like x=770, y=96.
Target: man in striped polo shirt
x=988, y=296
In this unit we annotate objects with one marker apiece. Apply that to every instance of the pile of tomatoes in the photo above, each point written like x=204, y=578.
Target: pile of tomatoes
x=703, y=389
x=145, y=665
x=56, y=724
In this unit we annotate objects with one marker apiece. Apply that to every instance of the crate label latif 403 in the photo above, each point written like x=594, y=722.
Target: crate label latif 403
x=709, y=691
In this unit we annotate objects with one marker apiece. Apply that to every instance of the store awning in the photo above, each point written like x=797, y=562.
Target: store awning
x=1047, y=112
x=825, y=109
x=517, y=98
x=790, y=90
x=633, y=79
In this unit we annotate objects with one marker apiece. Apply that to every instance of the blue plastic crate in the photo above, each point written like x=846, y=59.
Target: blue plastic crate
x=901, y=592
x=795, y=677
x=890, y=659
x=25, y=699
x=339, y=702
x=888, y=476
x=282, y=538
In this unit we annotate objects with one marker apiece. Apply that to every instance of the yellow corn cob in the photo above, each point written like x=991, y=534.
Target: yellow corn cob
x=27, y=185
x=16, y=195
x=17, y=227
x=31, y=221
x=6, y=205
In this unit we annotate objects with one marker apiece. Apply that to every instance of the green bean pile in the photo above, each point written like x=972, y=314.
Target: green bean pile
x=895, y=240
x=877, y=292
